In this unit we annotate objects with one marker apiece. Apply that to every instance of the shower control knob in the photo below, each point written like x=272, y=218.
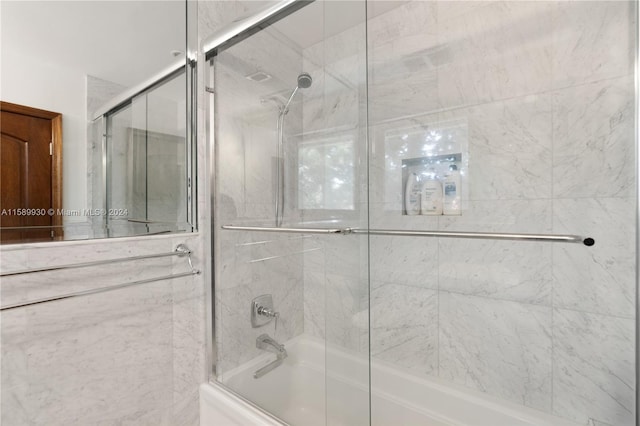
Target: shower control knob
x=270, y=314
x=263, y=311
x=267, y=312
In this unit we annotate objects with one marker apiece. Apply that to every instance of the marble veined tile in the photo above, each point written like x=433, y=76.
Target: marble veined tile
x=497, y=51
x=403, y=56
x=528, y=216
x=279, y=276
x=404, y=260
x=236, y=339
x=13, y=260
x=215, y=15
x=404, y=326
x=498, y=347
x=102, y=367
x=509, y=147
x=314, y=303
x=600, y=278
x=447, y=10
x=346, y=311
x=409, y=18
x=188, y=338
x=593, y=40
x=397, y=90
x=593, y=368
x=186, y=411
x=342, y=256
x=518, y=271
x=593, y=140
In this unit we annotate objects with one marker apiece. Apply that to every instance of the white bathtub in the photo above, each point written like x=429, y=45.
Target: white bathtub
x=300, y=393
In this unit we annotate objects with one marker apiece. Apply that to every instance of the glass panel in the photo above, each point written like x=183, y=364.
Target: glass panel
x=304, y=150
x=120, y=146
x=146, y=163
x=339, y=98
x=533, y=102
x=166, y=154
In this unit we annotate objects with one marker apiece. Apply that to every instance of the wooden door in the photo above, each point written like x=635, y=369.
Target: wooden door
x=30, y=174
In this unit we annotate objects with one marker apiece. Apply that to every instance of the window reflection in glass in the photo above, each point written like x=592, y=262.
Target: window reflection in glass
x=326, y=174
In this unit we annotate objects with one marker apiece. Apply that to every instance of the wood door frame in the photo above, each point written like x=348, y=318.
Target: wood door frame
x=56, y=161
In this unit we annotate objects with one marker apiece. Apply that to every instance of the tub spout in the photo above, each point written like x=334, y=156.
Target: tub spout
x=269, y=344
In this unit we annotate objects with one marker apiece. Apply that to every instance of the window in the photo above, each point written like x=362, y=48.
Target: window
x=326, y=174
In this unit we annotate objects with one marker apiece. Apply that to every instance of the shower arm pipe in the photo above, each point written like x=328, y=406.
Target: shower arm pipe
x=554, y=238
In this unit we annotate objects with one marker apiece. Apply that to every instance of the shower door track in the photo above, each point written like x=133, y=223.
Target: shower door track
x=553, y=238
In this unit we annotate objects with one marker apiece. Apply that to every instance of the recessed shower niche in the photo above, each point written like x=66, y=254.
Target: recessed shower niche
x=428, y=148
x=437, y=168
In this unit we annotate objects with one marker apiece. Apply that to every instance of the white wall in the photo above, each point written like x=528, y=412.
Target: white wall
x=25, y=80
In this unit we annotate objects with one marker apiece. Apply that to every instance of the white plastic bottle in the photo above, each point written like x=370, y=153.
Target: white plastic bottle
x=431, y=196
x=451, y=204
x=412, y=195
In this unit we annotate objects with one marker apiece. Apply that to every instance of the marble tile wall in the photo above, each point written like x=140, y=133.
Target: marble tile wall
x=132, y=356
x=540, y=97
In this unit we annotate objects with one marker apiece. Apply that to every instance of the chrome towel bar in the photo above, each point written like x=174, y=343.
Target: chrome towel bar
x=181, y=250
x=557, y=238
x=96, y=290
x=288, y=230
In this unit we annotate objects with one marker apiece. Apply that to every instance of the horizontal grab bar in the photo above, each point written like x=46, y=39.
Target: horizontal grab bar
x=181, y=250
x=288, y=230
x=96, y=290
x=480, y=235
x=439, y=234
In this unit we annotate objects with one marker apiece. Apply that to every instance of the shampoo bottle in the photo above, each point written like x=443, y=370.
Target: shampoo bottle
x=451, y=199
x=412, y=195
x=431, y=196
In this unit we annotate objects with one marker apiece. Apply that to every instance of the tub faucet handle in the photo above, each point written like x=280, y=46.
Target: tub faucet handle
x=269, y=313
x=263, y=311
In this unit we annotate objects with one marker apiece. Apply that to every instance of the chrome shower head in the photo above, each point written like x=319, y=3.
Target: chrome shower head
x=304, y=80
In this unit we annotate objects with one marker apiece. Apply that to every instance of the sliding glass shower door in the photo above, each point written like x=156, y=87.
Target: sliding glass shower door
x=291, y=306
x=524, y=112
x=424, y=213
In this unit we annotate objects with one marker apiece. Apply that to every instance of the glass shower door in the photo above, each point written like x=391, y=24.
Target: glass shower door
x=291, y=298
x=146, y=162
x=528, y=108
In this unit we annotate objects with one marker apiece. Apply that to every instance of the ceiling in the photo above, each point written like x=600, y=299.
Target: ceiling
x=125, y=42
